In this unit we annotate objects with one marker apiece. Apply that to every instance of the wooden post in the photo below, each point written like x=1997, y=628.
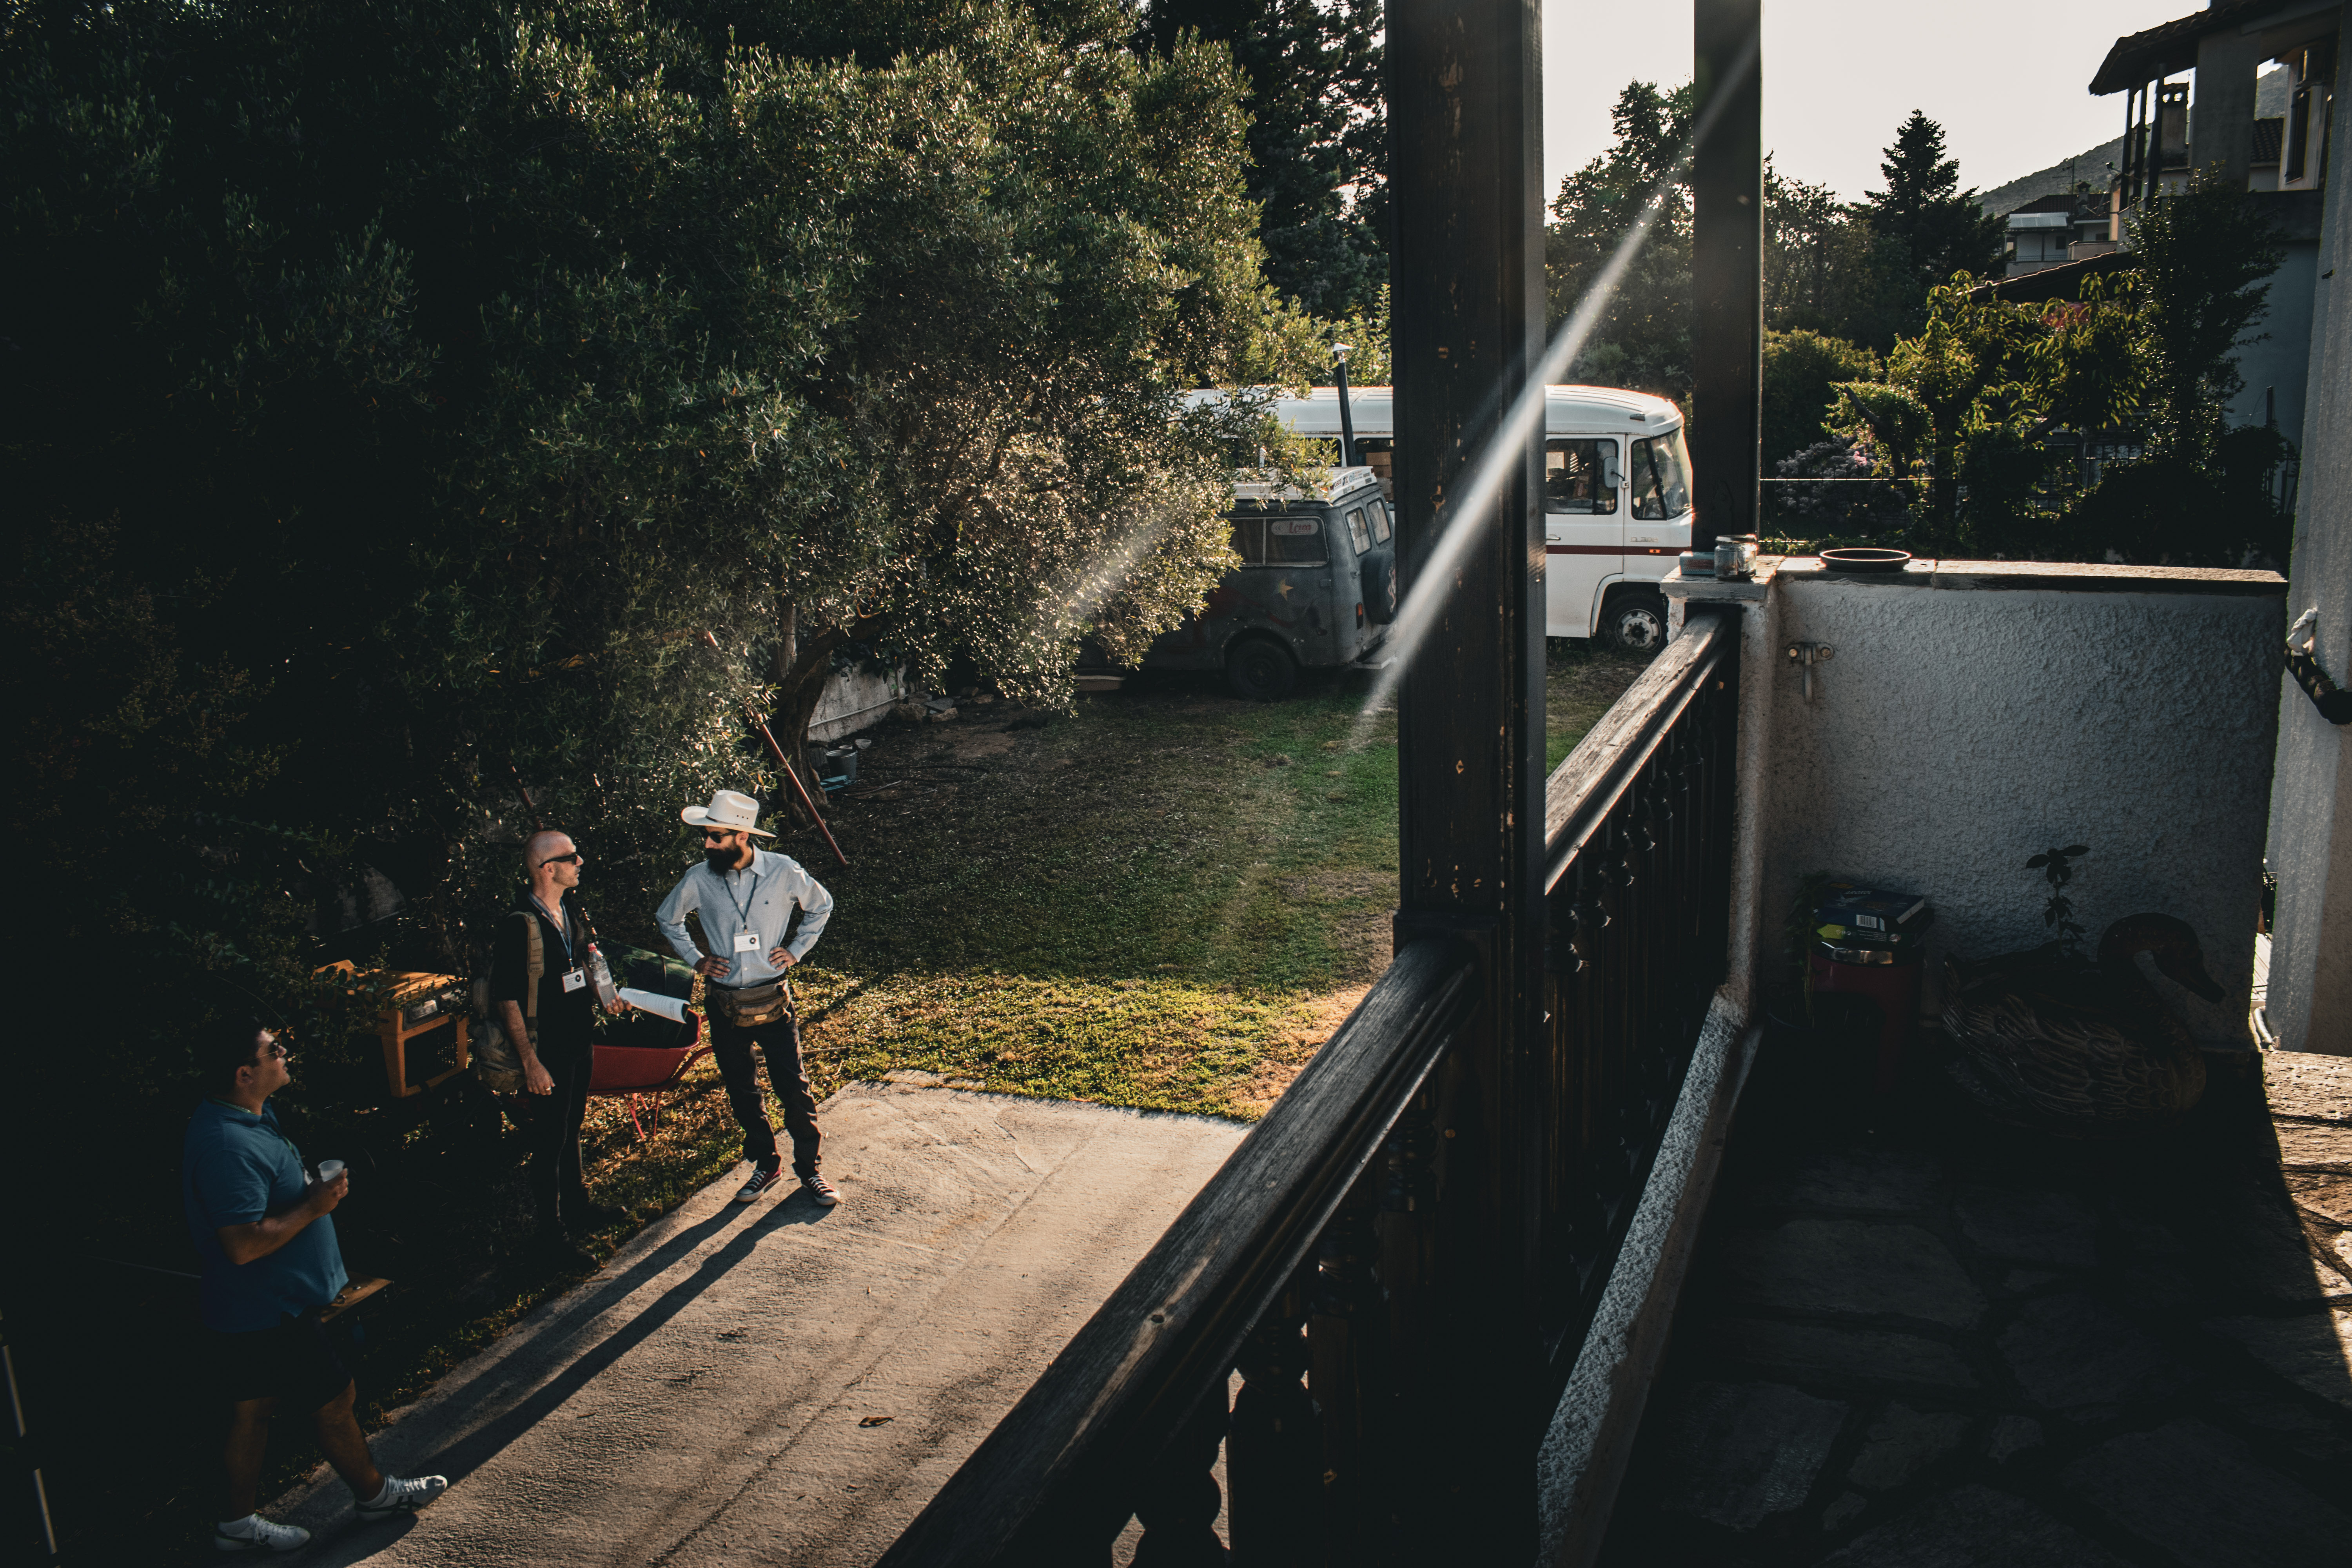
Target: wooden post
x=1465, y=176
x=1726, y=267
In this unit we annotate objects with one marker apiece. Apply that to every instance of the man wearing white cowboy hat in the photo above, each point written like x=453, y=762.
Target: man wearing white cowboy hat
x=744, y=897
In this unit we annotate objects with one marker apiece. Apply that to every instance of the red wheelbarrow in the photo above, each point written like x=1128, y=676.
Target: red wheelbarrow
x=651, y=1070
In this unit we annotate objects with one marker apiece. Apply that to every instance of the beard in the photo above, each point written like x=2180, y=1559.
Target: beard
x=723, y=859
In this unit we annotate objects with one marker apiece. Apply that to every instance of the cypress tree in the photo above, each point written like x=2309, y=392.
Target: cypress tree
x=1938, y=228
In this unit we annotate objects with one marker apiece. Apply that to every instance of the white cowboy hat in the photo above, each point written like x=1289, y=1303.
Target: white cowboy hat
x=728, y=808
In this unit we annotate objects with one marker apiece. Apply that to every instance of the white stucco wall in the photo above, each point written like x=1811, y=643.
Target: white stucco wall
x=2311, y=811
x=2279, y=360
x=854, y=699
x=1959, y=731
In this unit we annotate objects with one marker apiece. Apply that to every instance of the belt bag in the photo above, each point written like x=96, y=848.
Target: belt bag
x=752, y=1005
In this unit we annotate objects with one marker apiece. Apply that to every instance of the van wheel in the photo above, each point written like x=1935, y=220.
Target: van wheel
x=1261, y=670
x=1635, y=621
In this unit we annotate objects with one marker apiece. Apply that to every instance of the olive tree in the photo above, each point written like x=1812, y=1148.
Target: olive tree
x=429, y=384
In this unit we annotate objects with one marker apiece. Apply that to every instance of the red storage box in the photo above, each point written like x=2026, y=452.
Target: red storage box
x=1889, y=978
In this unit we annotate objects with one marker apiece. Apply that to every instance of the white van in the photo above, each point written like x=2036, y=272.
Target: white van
x=1617, y=499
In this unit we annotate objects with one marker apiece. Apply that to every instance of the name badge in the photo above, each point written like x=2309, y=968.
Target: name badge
x=573, y=981
x=747, y=941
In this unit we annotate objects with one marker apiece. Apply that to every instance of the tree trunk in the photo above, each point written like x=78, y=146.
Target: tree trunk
x=1943, y=495
x=799, y=686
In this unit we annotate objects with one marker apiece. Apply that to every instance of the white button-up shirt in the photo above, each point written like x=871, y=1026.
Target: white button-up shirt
x=759, y=898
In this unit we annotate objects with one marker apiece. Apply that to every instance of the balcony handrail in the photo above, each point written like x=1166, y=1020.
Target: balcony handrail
x=1590, y=781
x=1051, y=1473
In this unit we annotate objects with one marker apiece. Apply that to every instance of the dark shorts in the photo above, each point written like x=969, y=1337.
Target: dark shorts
x=294, y=1364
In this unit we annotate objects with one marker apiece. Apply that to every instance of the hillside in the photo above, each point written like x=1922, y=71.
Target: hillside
x=2058, y=178
x=2270, y=99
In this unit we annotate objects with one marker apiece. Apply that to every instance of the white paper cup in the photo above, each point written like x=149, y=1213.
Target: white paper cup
x=328, y=1171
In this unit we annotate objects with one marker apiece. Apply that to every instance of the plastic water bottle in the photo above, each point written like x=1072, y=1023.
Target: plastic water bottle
x=600, y=977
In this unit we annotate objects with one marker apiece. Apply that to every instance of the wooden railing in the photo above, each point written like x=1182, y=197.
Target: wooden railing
x=1322, y=1262
x=1638, y=834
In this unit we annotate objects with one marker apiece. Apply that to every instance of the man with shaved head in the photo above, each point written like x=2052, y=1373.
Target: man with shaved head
x=550, y=1016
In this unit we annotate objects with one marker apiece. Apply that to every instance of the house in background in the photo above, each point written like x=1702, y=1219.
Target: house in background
x=2282, y=157
x=2050, y=231
x=2262, y=169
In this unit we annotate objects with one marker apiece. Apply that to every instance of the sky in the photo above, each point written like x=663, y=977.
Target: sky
x=2008, y=79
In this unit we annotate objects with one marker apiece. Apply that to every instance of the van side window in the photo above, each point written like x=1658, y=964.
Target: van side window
x=1661, y=477
x=1249, y=539
x=1360, y=532
x=1383, y=526
x=1296, y=540
x=1576, y=478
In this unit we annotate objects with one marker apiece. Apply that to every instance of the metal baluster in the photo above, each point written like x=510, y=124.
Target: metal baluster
x=1273, y=1454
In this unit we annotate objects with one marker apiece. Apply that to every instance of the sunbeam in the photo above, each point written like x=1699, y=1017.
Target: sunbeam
x=1490, y=466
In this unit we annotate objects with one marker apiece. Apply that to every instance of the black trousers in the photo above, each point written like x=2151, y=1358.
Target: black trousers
x=551, y=1131
x=779, y=1042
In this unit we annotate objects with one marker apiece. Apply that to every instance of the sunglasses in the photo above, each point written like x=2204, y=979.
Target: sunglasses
x=571, y=860
x=717, y=835
x=273, y=1051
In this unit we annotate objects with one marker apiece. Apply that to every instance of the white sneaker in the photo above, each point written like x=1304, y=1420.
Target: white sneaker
x=253, y=1532
x=404, y=1495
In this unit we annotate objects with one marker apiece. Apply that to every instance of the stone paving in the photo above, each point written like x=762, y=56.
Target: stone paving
x=1914, y=1340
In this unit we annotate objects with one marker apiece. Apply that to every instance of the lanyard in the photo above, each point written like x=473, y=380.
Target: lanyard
x=743, y=910
x=562, y=929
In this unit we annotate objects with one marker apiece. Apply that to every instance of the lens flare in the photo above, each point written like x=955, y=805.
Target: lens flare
x=1490, y=468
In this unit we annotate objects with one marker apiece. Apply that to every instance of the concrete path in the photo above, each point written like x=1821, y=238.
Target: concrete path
x=703, y=1399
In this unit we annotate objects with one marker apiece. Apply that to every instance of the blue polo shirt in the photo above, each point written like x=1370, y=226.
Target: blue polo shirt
x=237, y=1168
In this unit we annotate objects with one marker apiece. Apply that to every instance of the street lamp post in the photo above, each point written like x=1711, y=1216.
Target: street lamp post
x=1340, y=352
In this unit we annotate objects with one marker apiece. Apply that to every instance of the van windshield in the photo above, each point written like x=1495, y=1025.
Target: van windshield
x=1661, y=477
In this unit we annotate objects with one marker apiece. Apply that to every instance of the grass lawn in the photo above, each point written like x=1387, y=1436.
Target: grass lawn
x=1169, y=900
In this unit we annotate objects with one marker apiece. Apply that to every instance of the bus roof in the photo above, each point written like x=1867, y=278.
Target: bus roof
x=1567, y=410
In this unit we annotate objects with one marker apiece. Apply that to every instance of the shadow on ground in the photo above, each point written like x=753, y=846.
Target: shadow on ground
x=1916, y=1337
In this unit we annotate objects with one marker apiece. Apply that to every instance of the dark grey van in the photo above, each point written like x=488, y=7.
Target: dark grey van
x=1316, y=590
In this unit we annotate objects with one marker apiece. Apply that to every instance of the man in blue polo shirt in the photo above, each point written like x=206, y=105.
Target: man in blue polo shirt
x=260, y=1223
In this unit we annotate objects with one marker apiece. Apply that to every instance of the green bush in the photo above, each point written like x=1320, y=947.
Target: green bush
x=1801, y=372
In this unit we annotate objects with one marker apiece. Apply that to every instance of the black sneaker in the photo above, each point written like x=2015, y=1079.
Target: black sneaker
x=765, y=1173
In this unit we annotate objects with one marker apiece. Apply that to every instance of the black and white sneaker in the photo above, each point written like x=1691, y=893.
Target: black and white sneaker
x=821, y=1190
x=765, y=1173
x=402, y=1495
x=254, y=1533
